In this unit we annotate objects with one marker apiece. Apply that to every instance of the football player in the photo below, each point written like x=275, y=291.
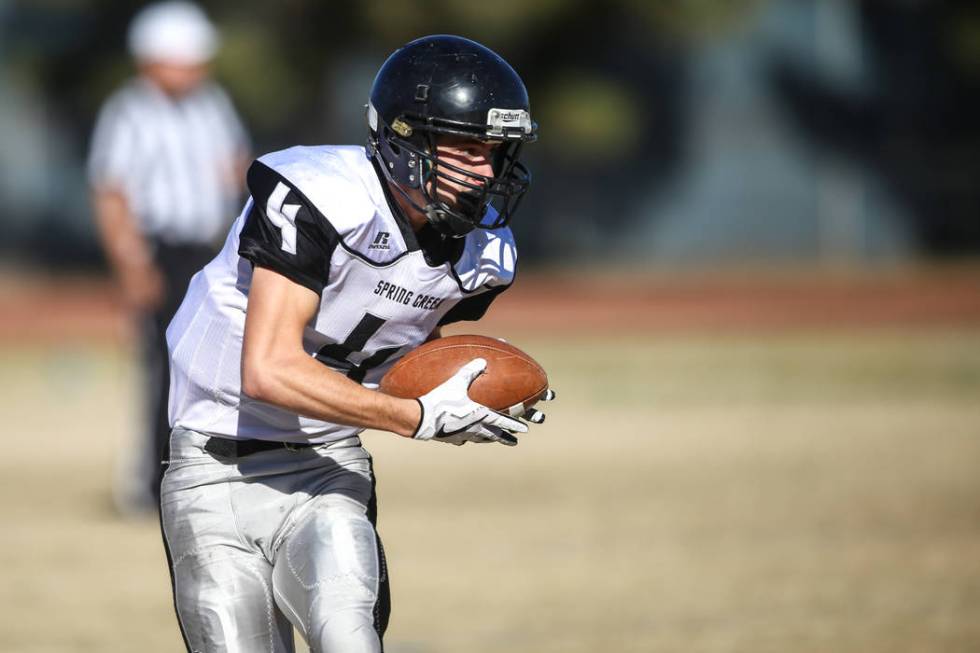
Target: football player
x=344, y=259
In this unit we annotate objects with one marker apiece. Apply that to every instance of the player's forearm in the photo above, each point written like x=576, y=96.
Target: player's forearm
x=302, y=385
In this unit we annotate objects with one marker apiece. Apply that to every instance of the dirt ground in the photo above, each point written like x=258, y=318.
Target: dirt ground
x=39, y=308
x=777, y=486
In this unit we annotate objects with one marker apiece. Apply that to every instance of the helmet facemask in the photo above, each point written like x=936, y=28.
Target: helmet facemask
x=409, y=157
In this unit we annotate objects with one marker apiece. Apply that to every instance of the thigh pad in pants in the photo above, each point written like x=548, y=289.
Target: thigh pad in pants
x=326, y=576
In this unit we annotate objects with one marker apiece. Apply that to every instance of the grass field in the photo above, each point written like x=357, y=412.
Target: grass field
x=782, y=492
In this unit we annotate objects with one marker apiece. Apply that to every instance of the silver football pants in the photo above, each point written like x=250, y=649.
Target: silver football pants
x=277, y=539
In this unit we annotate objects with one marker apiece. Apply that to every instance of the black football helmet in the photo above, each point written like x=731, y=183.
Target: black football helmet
x=454, y=86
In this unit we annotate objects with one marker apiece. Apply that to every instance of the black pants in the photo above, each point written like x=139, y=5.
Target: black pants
x=177, y=263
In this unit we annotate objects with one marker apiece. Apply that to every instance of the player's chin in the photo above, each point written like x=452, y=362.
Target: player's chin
x=467, y=202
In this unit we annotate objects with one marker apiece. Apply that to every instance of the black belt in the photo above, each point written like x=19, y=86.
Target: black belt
x=227, y=448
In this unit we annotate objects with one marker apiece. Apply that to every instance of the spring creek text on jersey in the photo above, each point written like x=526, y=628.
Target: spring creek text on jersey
x=404, y=296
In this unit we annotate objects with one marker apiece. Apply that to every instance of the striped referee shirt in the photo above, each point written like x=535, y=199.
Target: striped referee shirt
x=174, y=159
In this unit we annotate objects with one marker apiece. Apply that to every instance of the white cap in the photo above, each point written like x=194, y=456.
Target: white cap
x=174, y=32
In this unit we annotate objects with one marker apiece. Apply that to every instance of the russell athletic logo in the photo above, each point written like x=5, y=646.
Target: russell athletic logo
x=381, y=241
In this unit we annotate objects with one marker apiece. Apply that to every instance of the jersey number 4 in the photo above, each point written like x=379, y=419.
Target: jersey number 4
x=283, y=216
x=337, y=355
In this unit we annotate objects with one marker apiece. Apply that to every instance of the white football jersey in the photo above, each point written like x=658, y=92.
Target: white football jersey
x=321, y=217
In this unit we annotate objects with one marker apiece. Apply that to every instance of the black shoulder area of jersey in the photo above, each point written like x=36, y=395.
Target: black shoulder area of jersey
x=472, y=307
x=285, y=232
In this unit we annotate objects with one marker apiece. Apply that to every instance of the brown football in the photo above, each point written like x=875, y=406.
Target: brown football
x=512, y=381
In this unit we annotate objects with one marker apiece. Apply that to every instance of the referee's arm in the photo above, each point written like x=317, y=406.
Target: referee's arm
x=126, y=249
x=111, y=159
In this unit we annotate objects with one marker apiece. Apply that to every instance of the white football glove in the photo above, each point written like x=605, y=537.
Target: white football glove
x=534, y=415
x=449, y=415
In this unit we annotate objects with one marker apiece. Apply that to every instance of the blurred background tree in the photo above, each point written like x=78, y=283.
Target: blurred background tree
x=702, y=132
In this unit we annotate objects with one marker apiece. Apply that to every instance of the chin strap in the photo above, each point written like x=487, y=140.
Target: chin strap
x=438, y=215
x=445, y=222
x=455, y=223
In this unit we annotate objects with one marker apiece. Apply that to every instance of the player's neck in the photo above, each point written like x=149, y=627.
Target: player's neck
x=415, y=217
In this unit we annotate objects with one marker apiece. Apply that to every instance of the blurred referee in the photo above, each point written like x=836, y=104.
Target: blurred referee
x=166, y=166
